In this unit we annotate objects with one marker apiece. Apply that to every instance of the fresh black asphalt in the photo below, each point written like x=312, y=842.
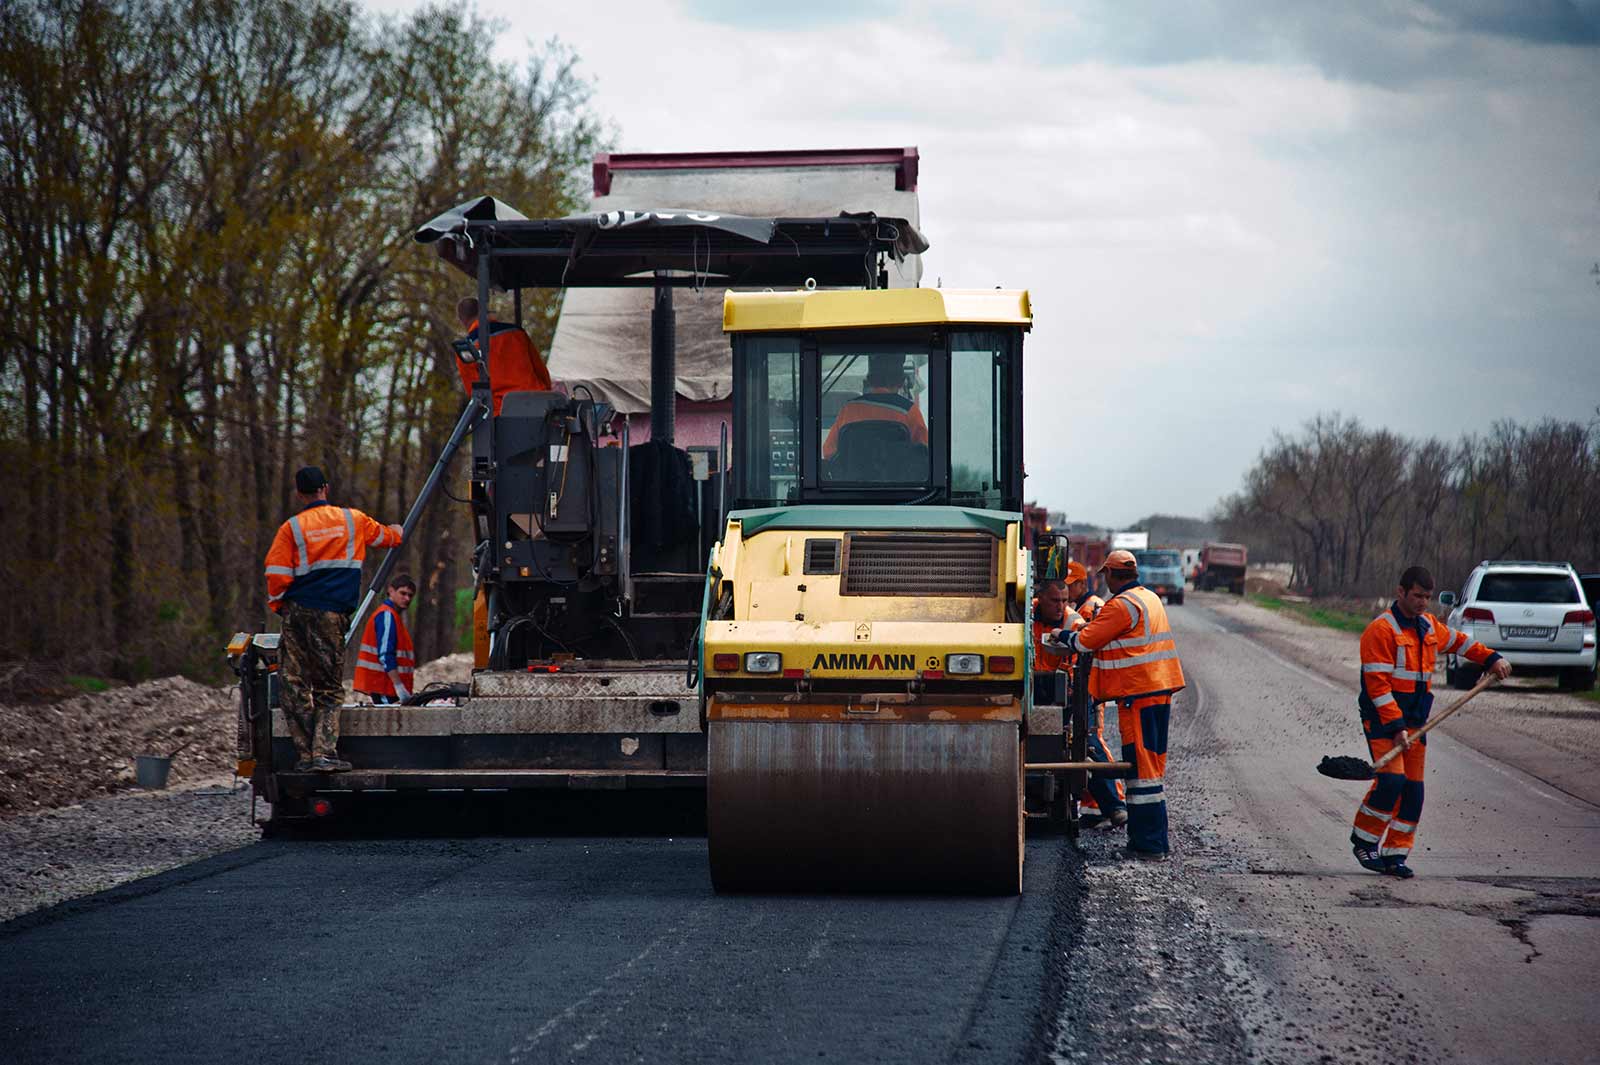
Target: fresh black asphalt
x=526, y=948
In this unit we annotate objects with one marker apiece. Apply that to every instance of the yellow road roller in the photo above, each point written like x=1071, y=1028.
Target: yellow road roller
x=864, y=655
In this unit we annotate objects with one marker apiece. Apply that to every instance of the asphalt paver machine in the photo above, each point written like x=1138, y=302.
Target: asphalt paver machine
x=590, y=573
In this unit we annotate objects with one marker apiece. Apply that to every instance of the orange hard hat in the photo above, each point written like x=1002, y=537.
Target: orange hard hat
x=1076, y=572
x=1121, y=560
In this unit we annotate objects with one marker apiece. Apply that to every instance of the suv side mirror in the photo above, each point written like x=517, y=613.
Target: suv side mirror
x=1447, y=599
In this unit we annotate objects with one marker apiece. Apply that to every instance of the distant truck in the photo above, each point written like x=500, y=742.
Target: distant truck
x=1161, y=571
x=1222, y=566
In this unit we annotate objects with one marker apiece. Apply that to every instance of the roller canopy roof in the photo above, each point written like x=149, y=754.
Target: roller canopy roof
x=614, y=249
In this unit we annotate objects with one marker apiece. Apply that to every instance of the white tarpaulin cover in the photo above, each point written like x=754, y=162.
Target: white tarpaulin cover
x=603, y=336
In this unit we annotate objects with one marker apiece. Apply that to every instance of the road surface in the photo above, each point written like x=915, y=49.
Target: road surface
x=1260, y=941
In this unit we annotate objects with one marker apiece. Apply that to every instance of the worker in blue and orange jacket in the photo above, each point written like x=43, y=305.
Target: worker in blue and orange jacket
x=313, y=572
x=1398, y=651
x=884, y=399
x=385, y=658
x=515, y=365
x=1136, y=664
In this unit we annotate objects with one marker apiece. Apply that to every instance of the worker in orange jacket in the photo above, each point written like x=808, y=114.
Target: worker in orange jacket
x=1136, y=664
x=385, y=658
x=313, y=572
x=883, y=400
x=1398, y=651
x=515, y=365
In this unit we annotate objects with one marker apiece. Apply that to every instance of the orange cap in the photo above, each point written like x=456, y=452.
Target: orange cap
x=1121, y=560
x=1076, y=572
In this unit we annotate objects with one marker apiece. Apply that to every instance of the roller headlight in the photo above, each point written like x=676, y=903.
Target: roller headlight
x=963, y=664
x=763, y=662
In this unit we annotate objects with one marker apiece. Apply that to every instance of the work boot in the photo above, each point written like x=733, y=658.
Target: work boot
x=1145, y=856
x=1368, y=857
x=1114, y=821
x=303, y=766
x=1395, y=865
x=324, y=764
x=1091, y=821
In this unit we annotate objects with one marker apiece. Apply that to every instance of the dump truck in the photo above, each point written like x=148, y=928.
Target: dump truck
x=865, y=668
x=1222, y=566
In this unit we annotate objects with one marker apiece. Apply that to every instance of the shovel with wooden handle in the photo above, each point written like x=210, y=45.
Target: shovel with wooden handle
x=1347, y=768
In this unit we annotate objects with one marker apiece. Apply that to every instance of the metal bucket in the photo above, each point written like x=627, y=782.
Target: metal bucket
x=151, y=770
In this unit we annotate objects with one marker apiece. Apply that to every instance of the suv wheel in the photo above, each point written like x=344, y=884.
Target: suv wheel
x=1576, y=680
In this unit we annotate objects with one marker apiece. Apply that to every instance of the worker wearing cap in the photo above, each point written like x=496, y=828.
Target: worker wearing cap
x=1398, y=650
x=1104, y=804
x=514, y=363
x=1135, y=663
x=883, y=400
x=313, y=574
x=385, y=658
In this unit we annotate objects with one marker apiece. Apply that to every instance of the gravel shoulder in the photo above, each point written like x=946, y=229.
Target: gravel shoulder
x=1550, y=735
x=72, y=820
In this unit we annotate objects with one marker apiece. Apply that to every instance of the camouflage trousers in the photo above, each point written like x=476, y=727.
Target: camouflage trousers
x=311, y=669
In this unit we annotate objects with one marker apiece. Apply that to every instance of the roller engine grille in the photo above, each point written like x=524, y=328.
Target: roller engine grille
x=918, y=564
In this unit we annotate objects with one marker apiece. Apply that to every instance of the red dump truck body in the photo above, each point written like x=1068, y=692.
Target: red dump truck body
x=1222, y=566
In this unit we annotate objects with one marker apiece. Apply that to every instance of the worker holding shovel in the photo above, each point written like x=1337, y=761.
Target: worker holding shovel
x=1397, y=655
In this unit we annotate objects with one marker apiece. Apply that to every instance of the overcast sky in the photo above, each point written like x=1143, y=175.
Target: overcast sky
x=1231, y=216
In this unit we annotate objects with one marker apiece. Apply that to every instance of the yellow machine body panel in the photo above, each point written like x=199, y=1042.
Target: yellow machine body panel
x=754, y=312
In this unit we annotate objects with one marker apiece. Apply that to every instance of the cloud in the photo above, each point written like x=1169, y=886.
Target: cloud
x=1230, y=216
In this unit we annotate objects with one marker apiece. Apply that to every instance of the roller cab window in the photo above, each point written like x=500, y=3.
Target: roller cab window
x=903, y=415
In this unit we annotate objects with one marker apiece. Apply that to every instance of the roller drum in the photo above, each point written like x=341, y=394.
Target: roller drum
x=916, y=806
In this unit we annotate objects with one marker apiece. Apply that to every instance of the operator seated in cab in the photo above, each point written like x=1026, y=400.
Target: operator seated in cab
x=880, y=418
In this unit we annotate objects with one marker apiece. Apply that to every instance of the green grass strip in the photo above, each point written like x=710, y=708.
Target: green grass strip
x=1311, y=613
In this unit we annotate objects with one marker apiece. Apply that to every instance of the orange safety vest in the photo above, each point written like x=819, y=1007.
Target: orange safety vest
x=877, y=405
x=385, y=637
x=1134, y=652
x=316, y=557
x=514, y=363
x=1397, y=659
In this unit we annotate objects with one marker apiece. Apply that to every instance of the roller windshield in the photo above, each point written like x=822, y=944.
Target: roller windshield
x=877, y=415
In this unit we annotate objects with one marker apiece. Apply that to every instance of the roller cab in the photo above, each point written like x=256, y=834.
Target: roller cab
x=864, y=658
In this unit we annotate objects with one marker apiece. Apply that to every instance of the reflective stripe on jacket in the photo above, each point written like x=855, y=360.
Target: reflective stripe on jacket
x=1397, y=659
x=316, y=557
x=514, y=363
x=1134, y=652
x=385, y=645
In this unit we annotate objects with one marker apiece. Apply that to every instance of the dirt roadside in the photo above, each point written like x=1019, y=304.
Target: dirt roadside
x=1526, y=723
x=72, y=820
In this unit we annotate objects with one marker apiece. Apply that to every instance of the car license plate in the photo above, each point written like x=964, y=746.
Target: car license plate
x=1526, y=632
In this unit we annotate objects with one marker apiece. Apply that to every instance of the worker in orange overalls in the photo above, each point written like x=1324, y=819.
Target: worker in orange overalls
x=1135, y=663
x=313, y=574
x=884, y=400
x=514, y=363
x=386, y=659
x=1398, y=650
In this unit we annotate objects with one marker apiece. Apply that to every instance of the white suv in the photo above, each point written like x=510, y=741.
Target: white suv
x=1533, y=613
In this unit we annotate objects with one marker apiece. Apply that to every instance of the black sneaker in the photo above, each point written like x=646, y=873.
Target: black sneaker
x=322, y=764
x=1368, y=857
x=1395, y=865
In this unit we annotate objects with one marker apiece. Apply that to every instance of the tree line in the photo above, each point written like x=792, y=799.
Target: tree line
x=206, y=209
x=1351, y=507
